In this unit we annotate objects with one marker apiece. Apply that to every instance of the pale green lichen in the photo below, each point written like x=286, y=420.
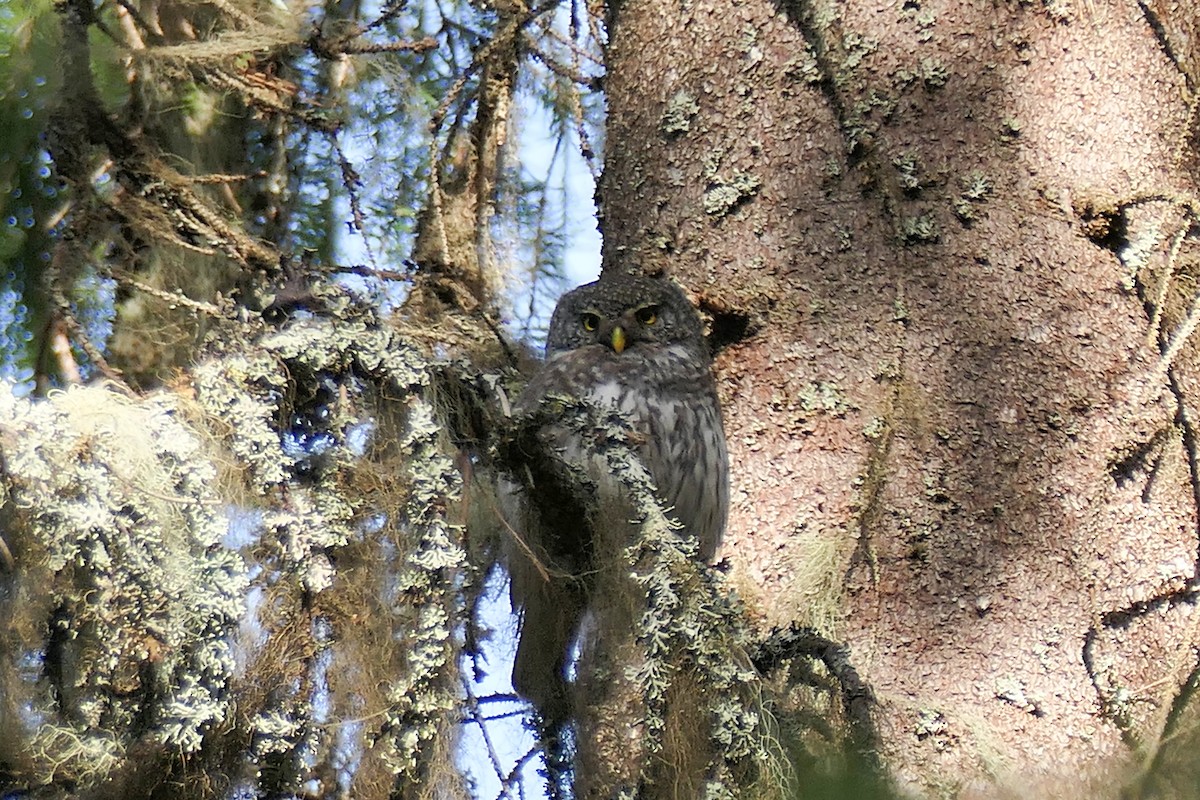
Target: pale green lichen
x=976, y=188
x=1060, y=11
x=276, y=732
x=248, y=388
x=858, y=128
x=823, y=397
x=934, y=73
x=929, y=722
x=121, y=530
x=1140, y=245
x=724, y=195
x=423, y=696
x=1010, y=130
x=1012, y=691
x=857, y=47
x=804, y=68
x=677, y=117
x=875, y=428
x=908, y=169
x=921, y=229
x=925, y=20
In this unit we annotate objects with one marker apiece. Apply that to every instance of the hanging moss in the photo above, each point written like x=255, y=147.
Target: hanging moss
x=691, y=664
x=120, y=589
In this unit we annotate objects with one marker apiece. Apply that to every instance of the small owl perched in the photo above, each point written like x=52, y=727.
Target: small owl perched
x=636, y=344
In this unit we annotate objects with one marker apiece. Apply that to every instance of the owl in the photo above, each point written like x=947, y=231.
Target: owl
x=635, y=344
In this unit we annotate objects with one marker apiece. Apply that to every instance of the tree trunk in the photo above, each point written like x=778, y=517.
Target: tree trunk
x=947, y=251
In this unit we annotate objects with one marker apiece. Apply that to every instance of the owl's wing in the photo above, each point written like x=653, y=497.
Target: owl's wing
x=546, y=553
x=689, y=460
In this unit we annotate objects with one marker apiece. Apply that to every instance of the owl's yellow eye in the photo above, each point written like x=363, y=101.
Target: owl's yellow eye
x=647, y=315
x=589, y=321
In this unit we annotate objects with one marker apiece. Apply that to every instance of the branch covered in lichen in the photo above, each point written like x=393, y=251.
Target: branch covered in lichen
x=687, y=627
x=281, y=532
x=128, y=599
x=423, y=696
x=370, y=364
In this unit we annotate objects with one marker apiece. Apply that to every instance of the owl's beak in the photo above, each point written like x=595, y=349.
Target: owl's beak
x=618, y=338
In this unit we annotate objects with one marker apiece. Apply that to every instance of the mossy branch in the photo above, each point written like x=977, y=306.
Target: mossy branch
x=689, y=630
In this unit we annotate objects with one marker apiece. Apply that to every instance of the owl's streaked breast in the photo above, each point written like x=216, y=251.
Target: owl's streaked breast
x=668, y=395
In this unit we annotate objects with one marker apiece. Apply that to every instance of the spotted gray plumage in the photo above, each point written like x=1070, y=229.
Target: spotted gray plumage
x=636, y=344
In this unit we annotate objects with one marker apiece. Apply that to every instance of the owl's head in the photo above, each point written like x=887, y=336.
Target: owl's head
x=623, y=312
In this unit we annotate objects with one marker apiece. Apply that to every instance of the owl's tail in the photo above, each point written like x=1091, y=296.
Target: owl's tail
x=549, y=623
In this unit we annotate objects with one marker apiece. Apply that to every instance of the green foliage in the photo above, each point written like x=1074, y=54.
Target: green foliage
x=29, y=47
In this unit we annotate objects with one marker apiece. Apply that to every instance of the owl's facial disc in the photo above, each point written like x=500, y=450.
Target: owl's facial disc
x=632, y=326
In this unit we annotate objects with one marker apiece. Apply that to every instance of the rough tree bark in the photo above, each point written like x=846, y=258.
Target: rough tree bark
x=946, y=248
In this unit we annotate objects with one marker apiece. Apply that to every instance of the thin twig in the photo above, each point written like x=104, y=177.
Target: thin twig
x=342, y=43
x=219, y=178
x=351, y=180
x=572, y=42
x=568, y=73
x=1155, y=332
x=543, y=571
x=151, y=33
x=366, y=271
x=477, y=718
x=585, y=144
x=355, y=48
x=66, y=318
x=172, y=298
x=1182, y=334
x=60, y=345
x=512, y=778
